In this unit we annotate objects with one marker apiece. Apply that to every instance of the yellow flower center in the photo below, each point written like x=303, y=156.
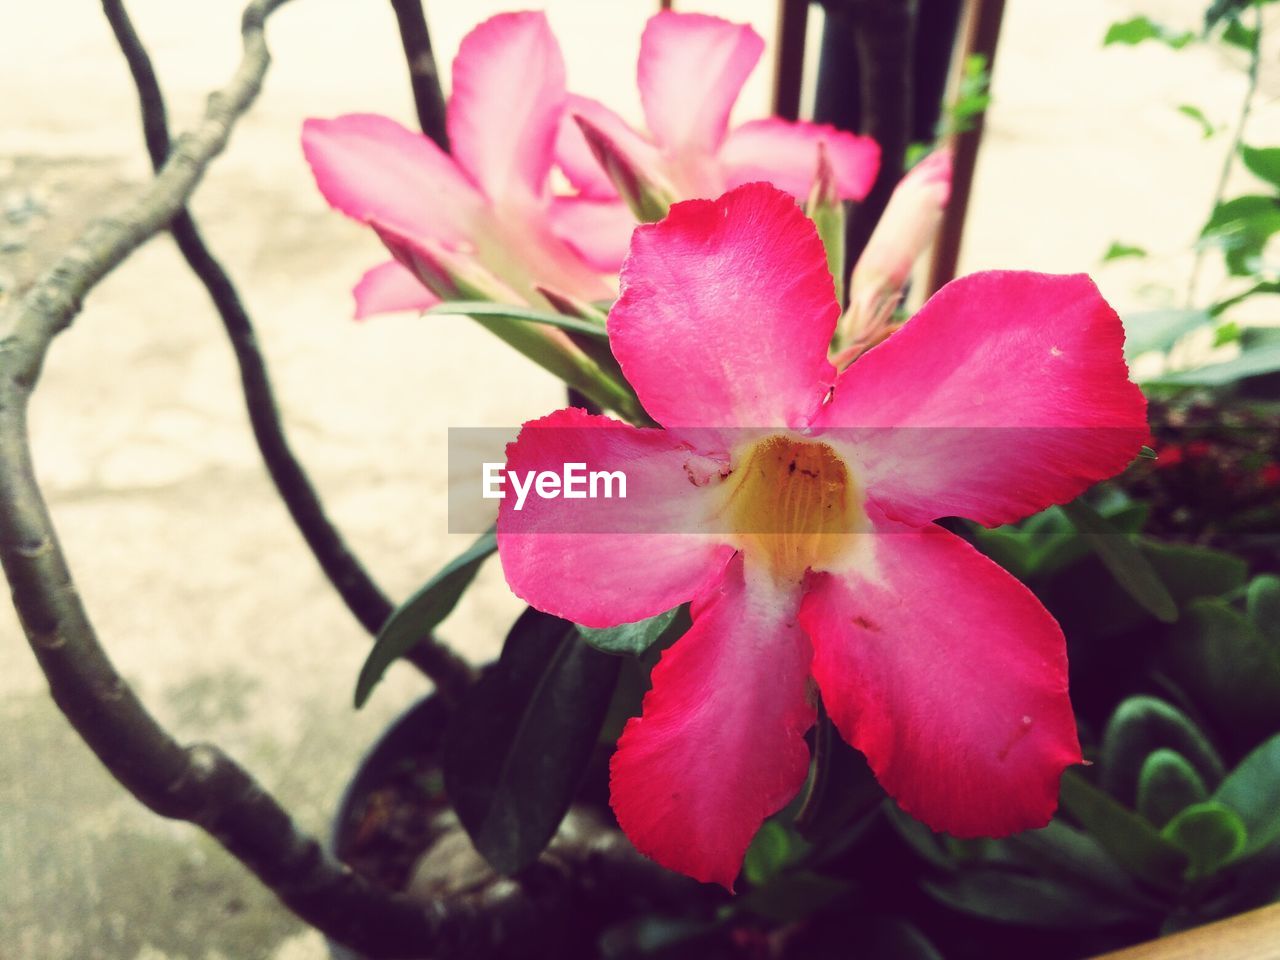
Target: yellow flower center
x=790, y=504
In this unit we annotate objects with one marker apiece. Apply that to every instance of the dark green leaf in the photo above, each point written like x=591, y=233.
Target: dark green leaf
x=1032, y=901
x=1211, y=834
x=891, y=939
x=1253, y=791
x=633, y=638
x=1250, y=363
x=1241, y=227
x=1144, y=28
x=421, y=613
x=521, y=739
x=1220, y=10
x=1124, y=560
x=1063, y=852
x=1121, y=251
x=793, y=895
x=1191, y=572
x=1263, y=606
x=1142, y=726
x=1218, y=657
x=1159, y=329
x=771, y=849
x=1263, y=163
x=1168, y=785
x=1196, y=114
x=1134, y=843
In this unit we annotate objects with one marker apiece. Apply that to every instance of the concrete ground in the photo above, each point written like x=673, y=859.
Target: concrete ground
x=200, y=587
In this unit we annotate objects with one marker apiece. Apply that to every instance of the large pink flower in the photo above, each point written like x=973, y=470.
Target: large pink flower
x=795, y=509
x=690, y=72
x=489, y=202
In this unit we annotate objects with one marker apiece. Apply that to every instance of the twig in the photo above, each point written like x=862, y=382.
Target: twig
x=424, y=77
x=199, y=783
x=450, y=673
x=1228, y=162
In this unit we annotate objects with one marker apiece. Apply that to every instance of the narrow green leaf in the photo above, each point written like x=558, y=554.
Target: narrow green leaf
x=1238, y=35
x=1004, y=896
x=1263, y=163
x=507, y=311
x=633, y=638
x=1251, y=363
x=1134, y=843
x=1263, y=606
x=1195, y=113
x=1168, y=785
x=520, y=740
x=421, y=613
x=1211, y=834
x=1258, y=289
x=1159, y=329
x=1124, y=560
x=1253, y=791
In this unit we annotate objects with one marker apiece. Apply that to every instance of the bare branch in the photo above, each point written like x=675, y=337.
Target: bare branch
x=424, y=76
x=450, y=673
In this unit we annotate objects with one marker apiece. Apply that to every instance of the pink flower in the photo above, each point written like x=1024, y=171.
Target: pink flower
x=794, y=508
x=691, y=70
x=489, y=201
x=904, y=231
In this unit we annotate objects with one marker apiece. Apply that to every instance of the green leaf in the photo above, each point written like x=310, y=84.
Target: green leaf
x=520, y=740
x=1133, y=842
x=1262, y=604
x=1238, y=35
x=1241, y=227
x=507, y=311
x=1142, y=726
x=633, y=638
x=1211, y=834
x=1226, y=333
x=1140, y=28
x=771, y=849
x=1168, y=785
x=1124, y=560
x=1253, y=791
x=1195, y=113
x=1120, y=251
x=891, y=939
x=1159, y=329
x=1251, y=363
x=793, y=895
x=1191, y=572
x=1004, y=896
x=1218, y=657
x=421, y=613
x=1258, y=289
x=1263, y=163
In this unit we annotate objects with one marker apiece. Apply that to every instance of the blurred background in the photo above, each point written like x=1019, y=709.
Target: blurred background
x=201, y=587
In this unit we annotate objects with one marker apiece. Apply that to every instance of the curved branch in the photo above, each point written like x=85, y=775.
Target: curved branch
x=362, y=596
x=424, y=75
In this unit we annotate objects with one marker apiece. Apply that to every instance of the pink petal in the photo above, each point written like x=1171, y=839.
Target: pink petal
x=726, y=312
x=720, y=743
x=390, y=288
x=599, y=231
x=786, y=155
x=575, y=157
x=601, y=562
x=507, y=102
x=952, y=679
x=370, y=167
x=691, y=70
x=1008, y=392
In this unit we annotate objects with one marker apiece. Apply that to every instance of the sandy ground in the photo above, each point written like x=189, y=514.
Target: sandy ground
x=204, y=593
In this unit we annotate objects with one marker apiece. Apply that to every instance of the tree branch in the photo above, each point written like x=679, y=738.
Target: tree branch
x=199, y=783
x=424, y=77
x=450, y=673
